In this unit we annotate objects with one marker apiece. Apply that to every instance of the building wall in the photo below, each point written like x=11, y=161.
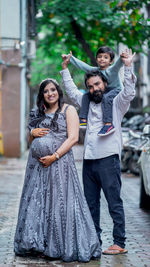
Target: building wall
x=10, y=77
x=11, y=104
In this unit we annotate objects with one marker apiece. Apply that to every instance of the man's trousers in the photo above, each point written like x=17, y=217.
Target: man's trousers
x=105, y=174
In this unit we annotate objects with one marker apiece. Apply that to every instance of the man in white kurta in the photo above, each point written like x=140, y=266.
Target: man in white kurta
x=101, y=164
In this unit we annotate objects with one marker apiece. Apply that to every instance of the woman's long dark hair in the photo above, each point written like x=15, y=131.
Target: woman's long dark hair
x=41, y=104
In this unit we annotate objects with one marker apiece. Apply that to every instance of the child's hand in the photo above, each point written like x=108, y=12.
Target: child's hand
x=125, y=53
x=65, y=56
x=127, y=57
x=66, y=60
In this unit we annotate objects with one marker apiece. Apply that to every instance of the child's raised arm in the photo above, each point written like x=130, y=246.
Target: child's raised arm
x=82, y=65
x=116, y=66
x=119, y=62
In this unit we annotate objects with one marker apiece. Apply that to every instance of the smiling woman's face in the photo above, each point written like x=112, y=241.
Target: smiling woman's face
x=51, y=95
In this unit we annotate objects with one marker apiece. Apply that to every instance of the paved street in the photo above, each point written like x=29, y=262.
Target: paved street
x=137, y=220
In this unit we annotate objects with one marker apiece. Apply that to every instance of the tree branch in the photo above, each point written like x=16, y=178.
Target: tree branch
x=82, y=41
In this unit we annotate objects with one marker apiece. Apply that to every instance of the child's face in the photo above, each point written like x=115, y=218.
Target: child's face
x=103, y=60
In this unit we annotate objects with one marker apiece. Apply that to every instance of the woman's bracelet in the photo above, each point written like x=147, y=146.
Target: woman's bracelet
x=57, y=155
x=31, y=132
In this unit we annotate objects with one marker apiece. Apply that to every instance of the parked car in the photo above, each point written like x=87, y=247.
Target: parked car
x=145, y=172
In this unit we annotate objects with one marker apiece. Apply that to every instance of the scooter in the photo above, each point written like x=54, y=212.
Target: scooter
x=131, y=152
x=137, y=122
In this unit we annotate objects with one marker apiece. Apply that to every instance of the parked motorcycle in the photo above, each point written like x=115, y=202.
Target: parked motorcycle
x=137, y=122
x=132, y=148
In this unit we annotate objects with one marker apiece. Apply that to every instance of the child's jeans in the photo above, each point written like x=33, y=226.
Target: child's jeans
x=107, y=104
x=84, y=109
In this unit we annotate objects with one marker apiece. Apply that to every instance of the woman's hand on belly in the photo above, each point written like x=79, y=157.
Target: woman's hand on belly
x=40, y=132
x=47, y=160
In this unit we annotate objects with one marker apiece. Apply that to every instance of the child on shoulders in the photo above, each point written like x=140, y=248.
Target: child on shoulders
x=104, y=58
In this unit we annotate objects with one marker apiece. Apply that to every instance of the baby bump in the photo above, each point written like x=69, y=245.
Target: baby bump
x=42, y=146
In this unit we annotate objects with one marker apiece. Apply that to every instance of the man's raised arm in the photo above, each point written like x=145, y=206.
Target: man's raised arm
x=71, y=89
x=127, y=94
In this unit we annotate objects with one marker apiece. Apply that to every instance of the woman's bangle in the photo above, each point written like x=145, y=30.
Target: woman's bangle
x=57, y=155
x=31, y=132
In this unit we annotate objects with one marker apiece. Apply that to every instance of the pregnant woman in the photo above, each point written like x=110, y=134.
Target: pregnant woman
x=54, y=219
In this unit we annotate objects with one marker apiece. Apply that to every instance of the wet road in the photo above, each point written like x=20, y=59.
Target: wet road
x=137, y=220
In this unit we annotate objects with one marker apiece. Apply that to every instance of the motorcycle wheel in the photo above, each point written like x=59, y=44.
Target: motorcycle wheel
x=133, y=166
x=123, y=166
x=124, y=162
x=144, y=198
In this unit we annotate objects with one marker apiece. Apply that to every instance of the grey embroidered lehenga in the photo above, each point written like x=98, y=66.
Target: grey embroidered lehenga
x=54, y=218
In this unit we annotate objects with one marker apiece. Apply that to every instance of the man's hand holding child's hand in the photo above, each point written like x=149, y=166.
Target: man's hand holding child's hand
x=66, y=60
x=127, y=57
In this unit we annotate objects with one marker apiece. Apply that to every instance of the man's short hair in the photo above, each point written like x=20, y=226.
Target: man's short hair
x=105, y=49
x=88, y=75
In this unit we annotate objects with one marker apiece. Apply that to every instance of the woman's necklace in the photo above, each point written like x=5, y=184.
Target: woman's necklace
x=51, y=110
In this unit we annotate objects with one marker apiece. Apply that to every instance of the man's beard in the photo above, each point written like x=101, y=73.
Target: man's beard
x=96, y=96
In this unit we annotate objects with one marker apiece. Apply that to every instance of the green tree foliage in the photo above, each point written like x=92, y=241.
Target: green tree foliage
x=84, y=25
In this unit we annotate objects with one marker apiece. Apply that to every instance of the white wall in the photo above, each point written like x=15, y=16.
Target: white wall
x=9, y=22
